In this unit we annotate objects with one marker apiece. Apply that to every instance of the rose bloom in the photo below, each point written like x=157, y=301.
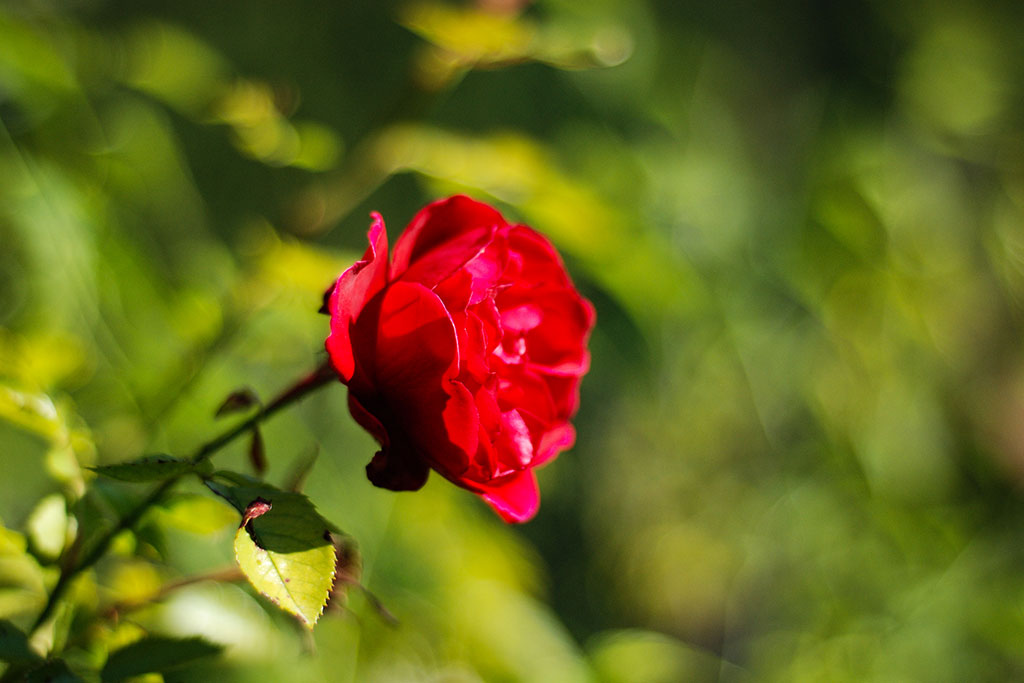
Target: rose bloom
x=464, y=354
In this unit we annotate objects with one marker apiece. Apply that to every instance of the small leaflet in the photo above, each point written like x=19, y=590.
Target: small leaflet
x=237, y=401
x=257, y=453
x=147, y=468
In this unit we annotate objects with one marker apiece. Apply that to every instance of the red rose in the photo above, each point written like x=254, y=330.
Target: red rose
x=464, y=355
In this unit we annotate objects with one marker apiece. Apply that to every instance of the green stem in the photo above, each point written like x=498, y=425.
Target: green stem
x=321, y=376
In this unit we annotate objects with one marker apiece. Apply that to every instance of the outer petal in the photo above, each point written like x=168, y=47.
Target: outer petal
x=516, y=498
x=442, y=238
x=408, y=355
x=536, y=263
x=351, y=292
x=395, y=466
x=553, y=442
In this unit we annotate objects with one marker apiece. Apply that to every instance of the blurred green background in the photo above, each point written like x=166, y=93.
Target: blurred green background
x=801, y=444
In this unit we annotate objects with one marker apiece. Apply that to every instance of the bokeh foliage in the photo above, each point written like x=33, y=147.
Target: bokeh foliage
x=802, y=441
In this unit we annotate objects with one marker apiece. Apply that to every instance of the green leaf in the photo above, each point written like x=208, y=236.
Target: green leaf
x=286, y=553
x=48, y=526
x=197, y=514
x=156, y=654
x=53, y=671
x=148, y=468
x=22, y=588
x=14, y=647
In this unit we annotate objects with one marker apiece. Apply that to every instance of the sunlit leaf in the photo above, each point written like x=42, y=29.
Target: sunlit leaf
x=147, y=468
x=631, y=656
x=48, y=526
x=134, y=582
x=175, y=66
x=319, y=146
x=41, y=359
x=34, y=412
x=471, y=35
x=22, y=588
x=156, y=654
x=286, y=552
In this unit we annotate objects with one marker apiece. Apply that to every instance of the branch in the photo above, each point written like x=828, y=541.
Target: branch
x=321, y=376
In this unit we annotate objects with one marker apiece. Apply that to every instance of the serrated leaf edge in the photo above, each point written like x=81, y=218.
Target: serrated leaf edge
x=298, y=612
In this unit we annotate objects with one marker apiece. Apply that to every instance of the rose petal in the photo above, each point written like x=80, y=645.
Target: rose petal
x=553, y=442
x=516, y=498
x=516, y=446
x=518, y=387
x=442, y=238
x=351, y=292
x=536, y=260
x=410, y=349
x=559, y=324
x=397, y=469
x=565, y=394
x=367, y=420
x=416, y=344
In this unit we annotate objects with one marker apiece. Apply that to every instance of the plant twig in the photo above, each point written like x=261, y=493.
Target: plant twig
x=318, y=378
x=228, y=574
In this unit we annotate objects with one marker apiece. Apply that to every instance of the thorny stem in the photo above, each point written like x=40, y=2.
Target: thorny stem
x=318, y=378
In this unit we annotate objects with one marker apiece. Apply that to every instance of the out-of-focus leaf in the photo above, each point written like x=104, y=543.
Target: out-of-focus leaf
x=286, y=264
x=261, y=131
x=286, y=552
x=34, y=412
x=635, y=656
x=299, y=470
x=134, y=582
x=472, y=36
x=197, y=514
x=175, y=66
x=48, y=526
x=22, y=588
x=40, y=359
x=156, y=654
x=319, y=146
x=147, y=468
x=28, y=52
x=11, y=542
x=53, y=671
x=70, y=442
x=14, y=647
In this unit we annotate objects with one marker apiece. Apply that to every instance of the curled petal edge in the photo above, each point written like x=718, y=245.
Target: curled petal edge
x=351, y=292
